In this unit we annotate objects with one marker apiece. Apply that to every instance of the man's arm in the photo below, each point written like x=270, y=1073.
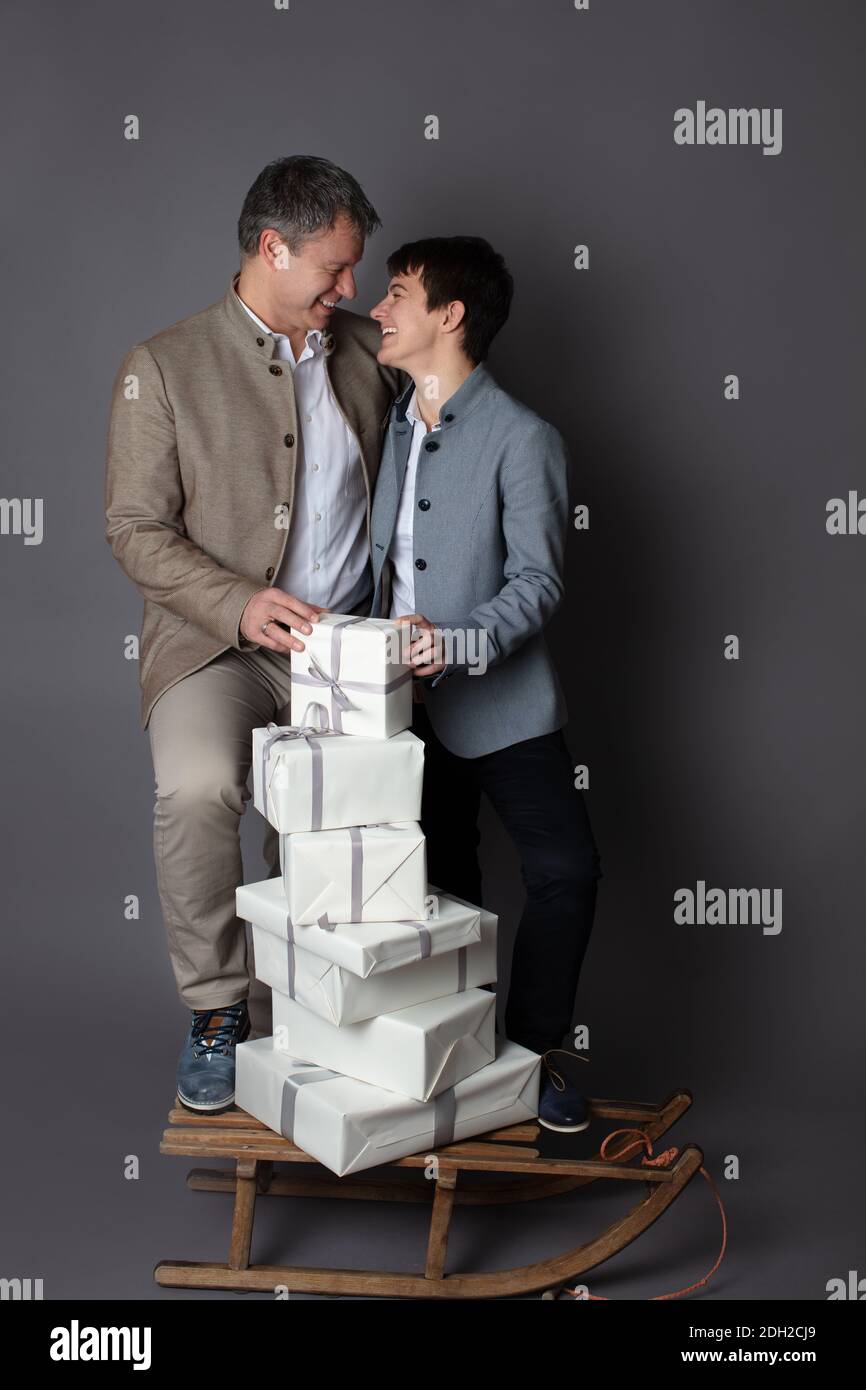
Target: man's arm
x=534, y=524
x=144, y=511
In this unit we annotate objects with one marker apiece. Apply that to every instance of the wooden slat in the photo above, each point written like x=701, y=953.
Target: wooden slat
x=470, y=1146
x=440, y=1221
x=524, y=1160
x=242, y=1217
x=236, y=1119
x=245, y=1142
x=202, y=1137
x=192, y=1142
x=354, y=1187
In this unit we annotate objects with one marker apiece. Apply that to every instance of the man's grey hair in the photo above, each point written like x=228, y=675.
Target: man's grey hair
x=299, y=196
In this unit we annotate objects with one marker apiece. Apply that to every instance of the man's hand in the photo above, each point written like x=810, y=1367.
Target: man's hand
x=427, y=647
x=275, y=606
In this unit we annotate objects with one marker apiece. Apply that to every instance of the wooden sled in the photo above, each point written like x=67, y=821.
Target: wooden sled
x=255, y=1149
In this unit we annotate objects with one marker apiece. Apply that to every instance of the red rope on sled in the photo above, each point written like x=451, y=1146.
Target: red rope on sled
x=660, y=1161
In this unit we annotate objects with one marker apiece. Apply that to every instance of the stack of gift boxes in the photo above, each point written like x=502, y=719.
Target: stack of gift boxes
x=384, y=1042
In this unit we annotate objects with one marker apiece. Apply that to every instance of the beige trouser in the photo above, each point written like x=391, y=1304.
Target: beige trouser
x=201, y=742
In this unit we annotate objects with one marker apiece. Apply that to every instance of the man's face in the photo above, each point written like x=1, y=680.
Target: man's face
x=409, y=331
x=310, y=284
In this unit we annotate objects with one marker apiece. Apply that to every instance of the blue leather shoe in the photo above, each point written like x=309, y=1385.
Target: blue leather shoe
x=560, y=1104
x=206, y=1066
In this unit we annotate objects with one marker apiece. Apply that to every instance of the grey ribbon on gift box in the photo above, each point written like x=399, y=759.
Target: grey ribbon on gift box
x=356, y=881
x=339, y=699
x=424, y=939
x=356, y=870
x=310, y=733
x=444, y=1113
x=356, y=886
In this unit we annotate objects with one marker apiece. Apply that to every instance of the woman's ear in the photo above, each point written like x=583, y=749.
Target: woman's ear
x=455, y=312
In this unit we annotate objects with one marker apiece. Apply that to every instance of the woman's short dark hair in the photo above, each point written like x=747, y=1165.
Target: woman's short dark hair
x=465, y=268
x=299, y=196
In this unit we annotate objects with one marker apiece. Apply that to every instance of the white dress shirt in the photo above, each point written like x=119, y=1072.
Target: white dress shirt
x=327, y=554
x=402, y=550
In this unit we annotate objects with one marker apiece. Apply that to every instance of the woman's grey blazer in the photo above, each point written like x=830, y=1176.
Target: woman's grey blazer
x=491, y=516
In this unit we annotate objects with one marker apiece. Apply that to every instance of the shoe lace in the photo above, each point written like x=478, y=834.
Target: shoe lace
x=557, y=1077
x=218, y=1036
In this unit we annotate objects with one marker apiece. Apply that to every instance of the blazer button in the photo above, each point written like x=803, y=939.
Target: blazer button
x=420, y=564
x=424, y=504
x=275, y=371
x=269, y=572
x=448, y=419
x=260, y=341
x=288, y=440
x=431, y=446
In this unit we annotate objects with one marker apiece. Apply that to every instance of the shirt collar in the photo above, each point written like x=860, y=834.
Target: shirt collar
x=412, y=411
x=311, y=332
x=457, y=407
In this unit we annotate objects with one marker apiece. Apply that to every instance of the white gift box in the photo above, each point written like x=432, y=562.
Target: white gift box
x=364, y=948
x=341, y=997
x=418, y=1051
x=352, y=667
x=309, y=779
x=364, y=873
x=348, y=1125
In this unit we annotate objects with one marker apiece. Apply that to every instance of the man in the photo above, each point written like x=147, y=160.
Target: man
x=469, y=523
x=243, y=446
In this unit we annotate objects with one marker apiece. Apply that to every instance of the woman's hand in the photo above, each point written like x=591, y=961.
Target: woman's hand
x=426, y=650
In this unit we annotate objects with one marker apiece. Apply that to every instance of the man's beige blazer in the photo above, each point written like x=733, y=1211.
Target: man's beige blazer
x=200, y=475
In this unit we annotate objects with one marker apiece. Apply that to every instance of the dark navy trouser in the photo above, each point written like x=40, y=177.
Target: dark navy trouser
x=531, y=787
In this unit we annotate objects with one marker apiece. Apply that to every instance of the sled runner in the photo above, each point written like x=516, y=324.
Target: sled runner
x=509, y=1152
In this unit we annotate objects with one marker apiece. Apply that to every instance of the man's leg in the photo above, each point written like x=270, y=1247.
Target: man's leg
x=531, y=787
x=200, y=734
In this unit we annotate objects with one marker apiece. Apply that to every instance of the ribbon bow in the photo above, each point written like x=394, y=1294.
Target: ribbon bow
x=317, y=675
x=338, y=694
x=308, y=732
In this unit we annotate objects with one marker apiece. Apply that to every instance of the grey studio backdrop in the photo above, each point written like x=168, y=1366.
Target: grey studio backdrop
x=707, y=518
